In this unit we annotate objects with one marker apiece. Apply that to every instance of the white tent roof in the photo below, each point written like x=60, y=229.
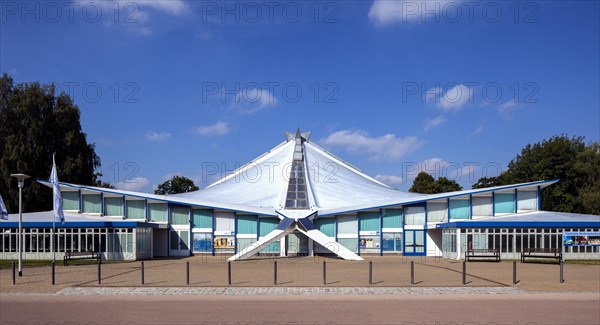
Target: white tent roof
x=333, y=186
x=260, y=183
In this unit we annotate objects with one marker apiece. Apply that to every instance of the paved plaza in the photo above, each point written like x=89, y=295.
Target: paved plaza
x=438, y=295
x=390, y=275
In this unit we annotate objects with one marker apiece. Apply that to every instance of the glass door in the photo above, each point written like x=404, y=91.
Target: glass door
x=414, y=242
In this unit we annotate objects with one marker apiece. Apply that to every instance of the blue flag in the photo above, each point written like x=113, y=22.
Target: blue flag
x=59, y=215
x=3, y=211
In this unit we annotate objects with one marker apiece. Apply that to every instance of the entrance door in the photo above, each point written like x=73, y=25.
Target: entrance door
x=414, y=242
x=179, y=242
x=296, y=244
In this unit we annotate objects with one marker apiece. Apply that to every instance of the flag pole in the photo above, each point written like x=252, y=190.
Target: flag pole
x=53, y=219
x=53, y=240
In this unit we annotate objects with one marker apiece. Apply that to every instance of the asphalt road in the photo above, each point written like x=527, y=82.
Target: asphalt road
x=431, y=309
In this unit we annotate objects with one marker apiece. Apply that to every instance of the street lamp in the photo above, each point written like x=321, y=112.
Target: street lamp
x=21, y=182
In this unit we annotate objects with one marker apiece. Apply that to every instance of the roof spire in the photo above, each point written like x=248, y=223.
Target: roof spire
x=289, y=136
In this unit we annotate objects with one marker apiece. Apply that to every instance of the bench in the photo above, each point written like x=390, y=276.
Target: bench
x=70, y=256
x=476, y=253
x=547, y=253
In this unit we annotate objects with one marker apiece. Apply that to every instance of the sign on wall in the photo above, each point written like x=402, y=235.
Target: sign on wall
x=581, y=238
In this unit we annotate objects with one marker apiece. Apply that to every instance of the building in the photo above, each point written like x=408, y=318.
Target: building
x=298, y=199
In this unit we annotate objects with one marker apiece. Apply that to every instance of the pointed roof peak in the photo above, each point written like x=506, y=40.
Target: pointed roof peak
x=289, y=136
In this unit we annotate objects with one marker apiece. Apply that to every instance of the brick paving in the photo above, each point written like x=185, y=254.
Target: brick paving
x=270, y=291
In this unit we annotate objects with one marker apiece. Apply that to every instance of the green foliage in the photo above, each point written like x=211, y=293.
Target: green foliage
x=423, y=183
x=443, y=185
x=34, y=124
x=177, y=184
x=567, y=158
x=426, y=184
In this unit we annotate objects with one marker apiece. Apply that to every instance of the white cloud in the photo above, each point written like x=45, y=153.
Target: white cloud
x=137, y=184
x=385, y=147
x=454, y=98
x=390, y=180
x=133, y=16
x=386, y=12
x=158, y=136
x=169, y=176
x=174, y=7
x=252, y=100
x=507, y=109
x=433, y=123
x=219, y=128
x=476, y=132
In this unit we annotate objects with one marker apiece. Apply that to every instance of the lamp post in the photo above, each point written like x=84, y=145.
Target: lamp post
x=21, y=182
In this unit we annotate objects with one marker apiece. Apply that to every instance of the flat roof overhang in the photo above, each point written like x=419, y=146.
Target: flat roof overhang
x=83, y=224
x=519, y=224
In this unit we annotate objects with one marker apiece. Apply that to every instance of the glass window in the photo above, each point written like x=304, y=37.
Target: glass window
x=243, y=243
x=136, y=209
x=437, y=211
x=527, y=200
x=158, y=212
x=91, y=203
x=482, y=206
x=266, y=225
x=184, y=240
x=326, y=226
x=224, y=244
x=460, y=209
x=369, y=221
x=174, y=240
x=369, y=244
x=504, y=203
x=347, y=224
x=70, y=200
x=349, y=243
x=113, y=206
x=392, y=218
x=414, y=215
x=180, y=215
x=247, y=224
x=392, y=242
x=414, y=241
x=272, y=248
x=297, y=243
x=202, y=218
x=224, y=221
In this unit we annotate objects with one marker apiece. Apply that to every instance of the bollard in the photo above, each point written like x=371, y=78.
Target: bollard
x=370, y=272
x=53, y=272
x=187, y=272
x=229, y=272
x=412, y=272
x=275, y=272
x=514, y=272
x=14, y=273
x=324, y=273
x=99, y=273
x=464, y=273
x=562, y=279
x=142, y=272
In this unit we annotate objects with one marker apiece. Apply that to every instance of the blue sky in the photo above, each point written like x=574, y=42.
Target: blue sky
x=178, y=87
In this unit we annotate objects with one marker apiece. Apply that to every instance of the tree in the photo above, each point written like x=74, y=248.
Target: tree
x=443, y=185
x=426, y=184
x=423, y=184
x=34, y=124
x=564, y=157
x=177, y=184
x=492, y=181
